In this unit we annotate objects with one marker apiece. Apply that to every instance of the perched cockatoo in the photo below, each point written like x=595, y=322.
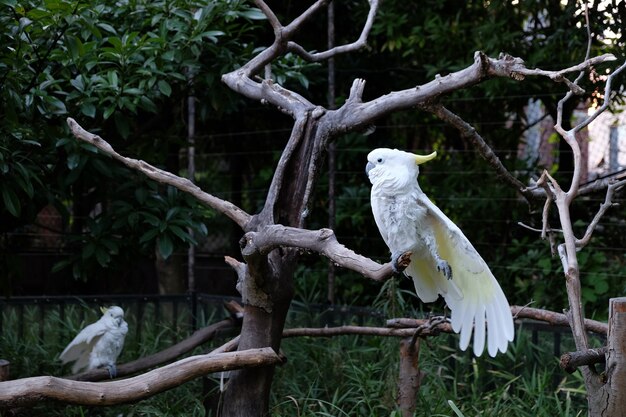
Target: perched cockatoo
x=443, y=261
x=99, y=344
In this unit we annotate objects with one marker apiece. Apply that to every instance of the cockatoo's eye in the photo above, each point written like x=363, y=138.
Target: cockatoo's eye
x=379, y=160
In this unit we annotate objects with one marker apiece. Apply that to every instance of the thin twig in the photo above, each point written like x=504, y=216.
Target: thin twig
x=607, y=204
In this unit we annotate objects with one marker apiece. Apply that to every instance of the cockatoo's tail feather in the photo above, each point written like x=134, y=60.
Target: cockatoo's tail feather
x=409, y=221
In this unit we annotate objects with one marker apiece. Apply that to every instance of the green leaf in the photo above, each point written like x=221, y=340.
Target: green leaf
x=149, y=235
x=455, y=409
x=601, y=285
x=148, y=104
x=78, y=83
x=107, y=27
x=88, y=250
x=165, y=245
x=54, y=105
x=103, y=257
x=73, y=160
x=171, y=213
x=108, y=112
x=61, y=265
x=75, y=46
x=253, y=14
x=165, y=88
x=11, y=202
x=141, y=194
x=88, y=109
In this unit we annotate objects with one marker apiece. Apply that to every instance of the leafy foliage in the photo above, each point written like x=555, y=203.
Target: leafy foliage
x=123, y=67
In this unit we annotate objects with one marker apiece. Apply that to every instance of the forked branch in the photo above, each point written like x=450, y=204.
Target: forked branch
x=322, y=241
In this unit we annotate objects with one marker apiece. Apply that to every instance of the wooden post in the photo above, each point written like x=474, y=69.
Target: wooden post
x=4, y=370
x=410, y=376
x=616, y=360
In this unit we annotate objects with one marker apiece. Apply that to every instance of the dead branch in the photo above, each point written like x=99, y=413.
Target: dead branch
x=556, y=319
x=23, y=392
x=559, y=76
x=356, y=113
x=322, y=241
x=198, y=338
x=369, y=331
x=469, y=132
x=342, y=49
x=572, y=360
x=225, y=207
x=607, y=204
x=547, y=316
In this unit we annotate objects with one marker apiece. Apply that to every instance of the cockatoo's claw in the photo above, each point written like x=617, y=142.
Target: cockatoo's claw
x=112, y=371
x=400, y=261
x=444, y=268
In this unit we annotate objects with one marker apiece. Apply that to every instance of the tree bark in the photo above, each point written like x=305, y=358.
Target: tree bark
x=612, y=402
x=31, y=390
x=4, y=370
x=410, y=376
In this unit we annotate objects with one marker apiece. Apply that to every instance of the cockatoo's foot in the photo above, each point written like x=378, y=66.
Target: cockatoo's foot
x=444, y=268
x=112, y=370
x=399, y=261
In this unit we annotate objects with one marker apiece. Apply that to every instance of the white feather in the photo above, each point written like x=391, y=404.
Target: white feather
x=98, y=344
x=409, y=221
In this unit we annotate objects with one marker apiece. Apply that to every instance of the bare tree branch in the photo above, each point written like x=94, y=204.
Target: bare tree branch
x=607, y=204
x=355, y=113
x=288, y=101
x=556, y=319
x=550, y=317
x=322, y=241
x=342, y=49
x=572, y=360
x=559, y=76
x=22, y=392
x=469, y=132
x=225, y=207
x=369, y=331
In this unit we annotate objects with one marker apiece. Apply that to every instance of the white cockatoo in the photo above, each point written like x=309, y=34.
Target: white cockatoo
x=443, y=261
x=99, y=344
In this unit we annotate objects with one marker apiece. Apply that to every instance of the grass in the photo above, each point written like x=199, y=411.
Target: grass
x=340, y=376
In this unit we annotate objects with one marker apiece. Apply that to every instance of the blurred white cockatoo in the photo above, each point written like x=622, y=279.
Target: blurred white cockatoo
x=99, y=344
x=443, y=261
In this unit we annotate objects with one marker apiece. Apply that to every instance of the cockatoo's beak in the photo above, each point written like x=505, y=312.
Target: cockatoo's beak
x=368, y=167
x=420, y=159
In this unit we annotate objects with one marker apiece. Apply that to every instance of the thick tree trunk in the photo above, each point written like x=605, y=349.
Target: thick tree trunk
x=410, y=376
x=611, y=399
x=267, y=287
x=247, y=392
x=170, y=274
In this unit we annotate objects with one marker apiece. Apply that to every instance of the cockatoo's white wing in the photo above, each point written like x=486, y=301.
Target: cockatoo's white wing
x=79, y=349
x=474, y=296
x=98, y=344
